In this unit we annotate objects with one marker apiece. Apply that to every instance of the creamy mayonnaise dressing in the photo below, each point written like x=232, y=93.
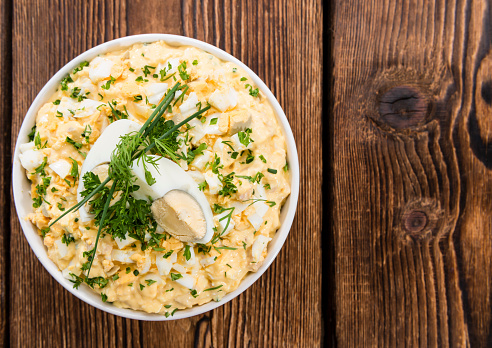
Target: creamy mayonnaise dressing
x=162, y=280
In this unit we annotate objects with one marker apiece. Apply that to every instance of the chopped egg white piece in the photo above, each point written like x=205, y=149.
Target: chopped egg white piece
x=100, y=68
x=189, y=105
x=197, y=176
x=212, y=129
x=239, y=207
x=146, y=266
x=255, y=220
x=31, y=159
x=187, y=281
x=62, y=248
x=208, y=261
x=173, y=62
x=27, y=146
x=201, y=160
x=240, y=122
x=163, y=265
x=219, y=145
x=197, y=131
x=122, y=243
x=259, y=246
x=214, y=184
x=261, y=208
x=155, y=92
x=122, y=256
x=223, y=101
x=179, y=268
x=71, y=268
x=71, y=107
x=155, y=277
x=61, y=167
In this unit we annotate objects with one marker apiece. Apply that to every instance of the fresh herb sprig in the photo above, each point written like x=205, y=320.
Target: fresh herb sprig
x=255, y=200
x=218, y=210
x=108, y=179
x=105, y=211
x=119, y=168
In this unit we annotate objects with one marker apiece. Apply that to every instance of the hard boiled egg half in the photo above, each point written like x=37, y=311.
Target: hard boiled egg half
x=178, y=206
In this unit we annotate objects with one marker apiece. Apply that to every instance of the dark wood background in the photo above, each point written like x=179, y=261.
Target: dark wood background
x=391, y=107
x=281, y=41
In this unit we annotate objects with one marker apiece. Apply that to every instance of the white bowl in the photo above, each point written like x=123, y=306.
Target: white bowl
x=22, y=187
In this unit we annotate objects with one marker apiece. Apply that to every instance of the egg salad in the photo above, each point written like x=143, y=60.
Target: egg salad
x=158, y=175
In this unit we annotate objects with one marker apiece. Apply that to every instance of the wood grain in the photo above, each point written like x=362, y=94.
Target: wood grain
x=283, y=308
x=411, y=165
x=46, y=35
x=5, y=160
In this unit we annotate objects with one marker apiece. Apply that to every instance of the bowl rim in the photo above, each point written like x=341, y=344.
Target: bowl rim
x=19, y=178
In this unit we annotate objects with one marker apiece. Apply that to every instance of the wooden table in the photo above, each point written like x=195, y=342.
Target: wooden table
x=391, y=107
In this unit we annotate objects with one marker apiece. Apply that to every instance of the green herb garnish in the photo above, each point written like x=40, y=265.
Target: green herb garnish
x=244, y=137
x=187, y=253
x=169, y=253
x=80, y=67
x=127, y=216
x=182, y=71
x=31, y=135
x=255, y=200
x=38, y=143
x=75, y=168
x=150, y=281
x=202, y=186
x=108, y=83
x=65, y=81
x=176, y=276
x=146, y=70
x=74, y=143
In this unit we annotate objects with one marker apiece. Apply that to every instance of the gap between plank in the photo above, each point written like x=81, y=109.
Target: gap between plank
x=328, y=310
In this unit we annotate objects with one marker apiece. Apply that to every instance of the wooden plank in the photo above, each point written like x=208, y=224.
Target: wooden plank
x=46, y=35
x=5, y=164
x=412, y=182
x=284, y=305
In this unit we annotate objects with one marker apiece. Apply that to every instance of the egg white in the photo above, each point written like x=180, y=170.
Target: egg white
x=100, y=153
x=168, y=175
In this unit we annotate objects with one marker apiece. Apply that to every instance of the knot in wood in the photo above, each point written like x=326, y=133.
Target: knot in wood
x=414, y=221
x=487, y=92
x=403, y=107
x=420, y=220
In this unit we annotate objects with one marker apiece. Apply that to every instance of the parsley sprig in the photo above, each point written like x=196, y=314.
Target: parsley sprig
x=126, y=151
